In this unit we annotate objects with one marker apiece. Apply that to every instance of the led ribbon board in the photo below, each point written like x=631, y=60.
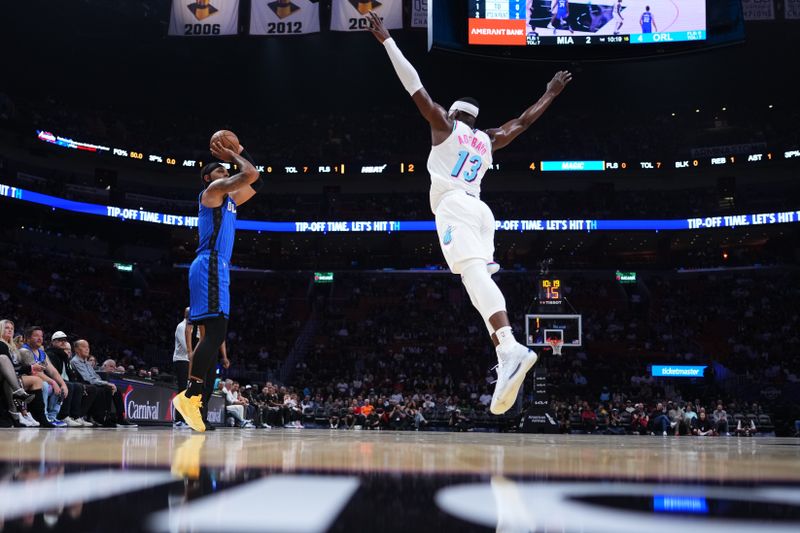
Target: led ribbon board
x=390, y=226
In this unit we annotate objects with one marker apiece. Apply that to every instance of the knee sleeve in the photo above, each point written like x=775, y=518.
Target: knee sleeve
x=483, y=291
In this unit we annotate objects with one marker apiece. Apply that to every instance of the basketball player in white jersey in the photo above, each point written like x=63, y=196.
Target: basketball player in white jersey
x=459, y=158
x=617, y=16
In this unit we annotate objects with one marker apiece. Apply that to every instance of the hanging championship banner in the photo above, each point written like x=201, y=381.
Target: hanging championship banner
x=284, y=17
x=348, y=15
x=419, y=13
x=758, y=10
x=792, y=10
x=204, y=17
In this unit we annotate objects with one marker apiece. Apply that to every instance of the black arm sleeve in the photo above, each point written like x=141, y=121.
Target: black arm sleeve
x=247, y=156
x=256, y=185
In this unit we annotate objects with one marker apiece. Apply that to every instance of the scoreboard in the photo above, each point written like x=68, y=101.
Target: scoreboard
x=549, y=291
x=584, y=23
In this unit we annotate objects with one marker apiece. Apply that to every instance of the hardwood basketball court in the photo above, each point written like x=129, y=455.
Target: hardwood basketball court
x=158, y=479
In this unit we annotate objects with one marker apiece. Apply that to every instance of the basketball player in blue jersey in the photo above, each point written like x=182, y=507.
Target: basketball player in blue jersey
x=209, y=274
x=560, y=10
x=647, y=22
x=459, y=158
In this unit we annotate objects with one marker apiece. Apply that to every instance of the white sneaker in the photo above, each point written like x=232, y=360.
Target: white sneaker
x=513, y=363
x=71, y=422
x=31, y=421
x=84, y=423
x=23, y=421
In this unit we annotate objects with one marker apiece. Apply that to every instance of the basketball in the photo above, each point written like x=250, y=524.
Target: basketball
x=227, y=138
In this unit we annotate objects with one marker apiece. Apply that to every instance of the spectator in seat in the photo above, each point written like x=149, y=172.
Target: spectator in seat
x=79, y=401
x=676, y=420
x=54, y=390
x=588, y=419
x=108, y=409
x=640, y=421
x=273, y=406
x=374, y=419
x=28, y=377
x=291, y=411
x=720, y=419
x=745, y=427
x=15, y=395
x=109, y=366
x=234, y=406
x=703, y=427
x=629, y=407
x=349, y=419
x=398, y=417
x=246, y=395
x=459, y=422
x=689, y=416
x=615, y=423
x=564, y=425
x=307, y=406
x=258, y=406
x=416, y=415
x=659, y=420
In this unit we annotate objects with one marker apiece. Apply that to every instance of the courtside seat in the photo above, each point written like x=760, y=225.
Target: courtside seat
x=764, y=424
x=575, y=423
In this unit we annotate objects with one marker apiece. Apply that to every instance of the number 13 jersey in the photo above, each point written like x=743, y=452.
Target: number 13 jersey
x=459, y=163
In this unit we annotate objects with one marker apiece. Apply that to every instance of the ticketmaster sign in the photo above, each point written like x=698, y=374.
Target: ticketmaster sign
x=678, y=371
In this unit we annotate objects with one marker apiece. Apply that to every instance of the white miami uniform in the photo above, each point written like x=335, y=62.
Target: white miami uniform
x=464, y=223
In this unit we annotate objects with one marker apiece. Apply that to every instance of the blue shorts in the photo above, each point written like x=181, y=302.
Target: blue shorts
x=209, y=287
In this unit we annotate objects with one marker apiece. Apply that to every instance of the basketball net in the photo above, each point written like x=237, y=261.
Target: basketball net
x=556, y=345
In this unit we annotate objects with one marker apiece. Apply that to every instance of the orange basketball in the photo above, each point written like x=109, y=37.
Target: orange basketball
x=227, y=138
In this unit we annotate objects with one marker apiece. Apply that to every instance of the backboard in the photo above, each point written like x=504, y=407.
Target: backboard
x=539, y=328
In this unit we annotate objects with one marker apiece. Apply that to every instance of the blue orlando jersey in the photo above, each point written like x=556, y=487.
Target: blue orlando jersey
x=562, y=8
x=217, y=228
x=647, y=20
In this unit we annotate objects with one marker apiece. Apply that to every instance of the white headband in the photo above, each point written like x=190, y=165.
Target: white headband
x=466, y=107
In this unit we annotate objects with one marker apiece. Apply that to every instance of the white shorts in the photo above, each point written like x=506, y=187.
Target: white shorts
x=466, y=230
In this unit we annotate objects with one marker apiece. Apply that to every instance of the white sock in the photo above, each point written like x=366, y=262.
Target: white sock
x=505, y=336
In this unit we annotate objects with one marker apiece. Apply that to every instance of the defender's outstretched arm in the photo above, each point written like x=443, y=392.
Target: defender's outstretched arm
x=434, y=113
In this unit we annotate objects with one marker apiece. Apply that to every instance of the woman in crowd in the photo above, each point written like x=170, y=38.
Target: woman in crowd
x=21, y=385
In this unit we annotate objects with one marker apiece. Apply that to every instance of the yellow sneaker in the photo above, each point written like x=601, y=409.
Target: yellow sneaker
x=186, y=461
x=189, y=408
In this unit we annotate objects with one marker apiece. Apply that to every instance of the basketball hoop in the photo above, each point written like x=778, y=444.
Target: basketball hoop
x=556, y=344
